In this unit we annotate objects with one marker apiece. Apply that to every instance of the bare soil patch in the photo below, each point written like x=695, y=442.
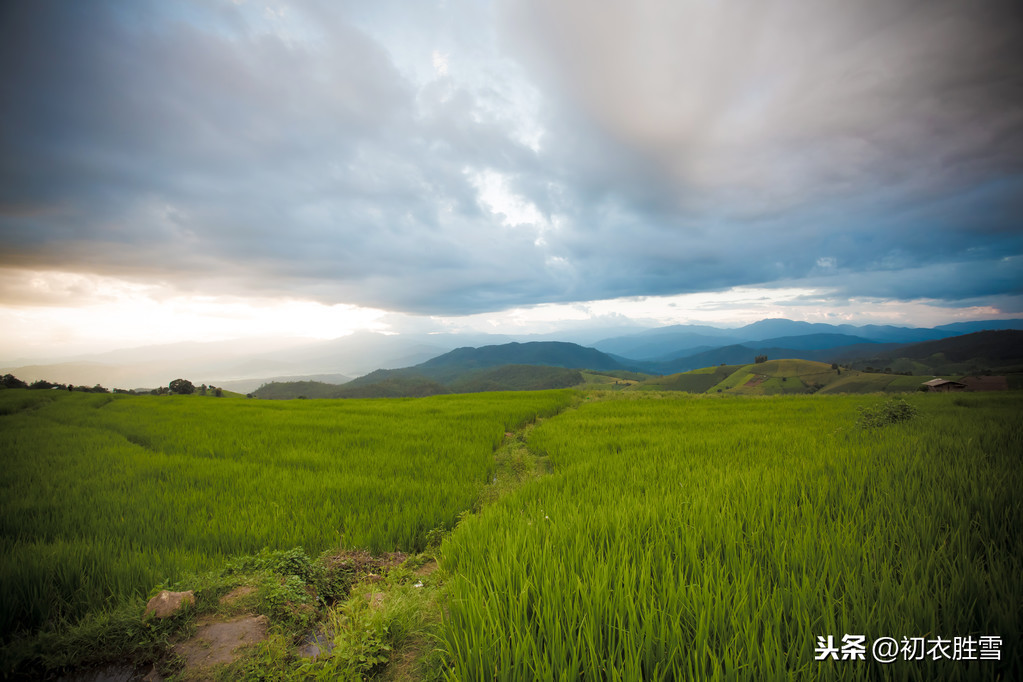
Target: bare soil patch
x=219, y=642
x=985, y=383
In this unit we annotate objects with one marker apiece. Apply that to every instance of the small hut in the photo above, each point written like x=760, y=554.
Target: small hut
x=944, y=385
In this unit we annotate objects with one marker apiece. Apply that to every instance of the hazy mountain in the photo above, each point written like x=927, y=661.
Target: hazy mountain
x=250, y=363
x=250, y=385
x=549, y=353
x=814, y=341
x=510, y=366
x=982, y=325
x=230, y=362
x=662, y=345
x=682, y=340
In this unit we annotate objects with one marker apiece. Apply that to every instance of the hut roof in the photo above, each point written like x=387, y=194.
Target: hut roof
x=941, y=382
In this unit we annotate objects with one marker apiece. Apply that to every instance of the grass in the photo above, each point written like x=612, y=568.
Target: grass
x=780, y=377
x=644, y=535
x=103, y=496
x=686, y=538
x=696, y=381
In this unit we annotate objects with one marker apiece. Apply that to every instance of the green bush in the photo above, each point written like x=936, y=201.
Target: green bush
x=891, y=411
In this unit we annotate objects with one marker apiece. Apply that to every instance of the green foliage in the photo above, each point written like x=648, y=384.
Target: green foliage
x=283, y=562
x=672, y=537
x=705, y=539
x=373, y=629
x=181, y=387
x=104, y=496
x=891, y=411
x=102, y=637
x=270, y=660
x=288, y=600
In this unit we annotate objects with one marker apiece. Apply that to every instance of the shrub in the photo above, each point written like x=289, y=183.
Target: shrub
x=891, y=411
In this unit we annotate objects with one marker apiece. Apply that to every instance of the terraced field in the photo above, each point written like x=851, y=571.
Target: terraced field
x=104, y=496
x=650, y=535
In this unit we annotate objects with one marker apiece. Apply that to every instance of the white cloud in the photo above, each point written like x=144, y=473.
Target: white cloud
x=440, y=63
x=495, y=193
x=477, y=157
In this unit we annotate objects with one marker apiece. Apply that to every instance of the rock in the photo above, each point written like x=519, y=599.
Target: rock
x=318, y=642
x=168, y=603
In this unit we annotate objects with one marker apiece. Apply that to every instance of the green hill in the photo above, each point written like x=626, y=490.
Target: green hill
x=696, y=381
x=776, y=377
x=518, y=378
x=864, y=382
x=1000, y=350
x=506, y=367
x=284, y=390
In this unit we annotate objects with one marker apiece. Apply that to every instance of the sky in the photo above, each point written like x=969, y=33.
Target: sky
x=203, y=170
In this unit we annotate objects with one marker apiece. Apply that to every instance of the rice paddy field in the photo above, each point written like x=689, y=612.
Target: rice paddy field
x=694, y=538
x=676, y=536
x=105, y=496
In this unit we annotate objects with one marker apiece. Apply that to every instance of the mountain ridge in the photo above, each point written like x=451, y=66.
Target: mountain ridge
x=363, y=352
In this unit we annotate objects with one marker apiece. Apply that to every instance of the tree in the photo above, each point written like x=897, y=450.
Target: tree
x=181, y=387
x=11, y=381
x=760, y=358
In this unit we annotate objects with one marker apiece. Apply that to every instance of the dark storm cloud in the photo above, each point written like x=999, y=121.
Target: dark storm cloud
x=201, y=150
x=683, y=146
x=753, y=141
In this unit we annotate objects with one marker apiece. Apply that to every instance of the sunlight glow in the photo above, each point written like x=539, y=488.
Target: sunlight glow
x=69, y=313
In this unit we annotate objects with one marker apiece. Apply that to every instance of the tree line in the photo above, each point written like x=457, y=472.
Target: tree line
x=176, y=387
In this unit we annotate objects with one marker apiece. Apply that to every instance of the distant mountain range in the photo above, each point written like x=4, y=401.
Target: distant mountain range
x=534, y=365
x=445, y=359
x=540, y=365
x=665, y=343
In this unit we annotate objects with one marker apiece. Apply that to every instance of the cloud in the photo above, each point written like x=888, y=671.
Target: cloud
x=465, y=157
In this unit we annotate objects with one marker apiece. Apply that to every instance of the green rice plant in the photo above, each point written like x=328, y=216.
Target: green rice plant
x=694, y=538
x=104, y=496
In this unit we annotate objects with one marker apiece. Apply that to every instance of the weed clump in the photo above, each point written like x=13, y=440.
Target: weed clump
x=891, y=411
